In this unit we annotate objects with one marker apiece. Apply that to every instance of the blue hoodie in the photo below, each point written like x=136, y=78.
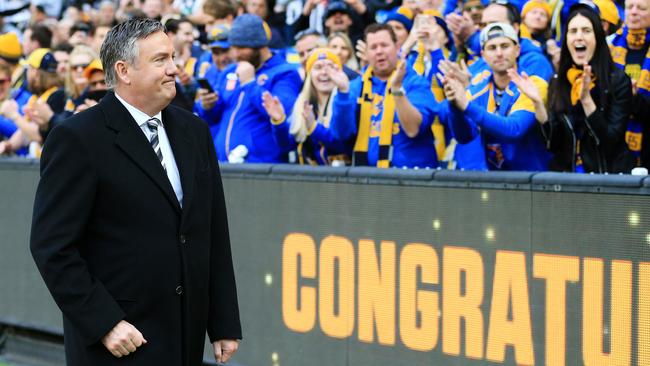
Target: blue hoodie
x=239, y=118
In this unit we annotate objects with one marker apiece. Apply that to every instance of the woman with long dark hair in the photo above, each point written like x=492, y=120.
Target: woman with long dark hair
x=589, y=101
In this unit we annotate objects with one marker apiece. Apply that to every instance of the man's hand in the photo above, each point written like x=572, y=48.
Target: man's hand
x=398, y=75
x=208, y=100
x=40, y=113
x=361, y=52
x=224, y=349
x=245, y=71
x=183, y=77
x=85, y=105
x=525, y=85
x=454, y=92
x=273, y=107
x=455, y=71
x=123, y=339
x=9, y=109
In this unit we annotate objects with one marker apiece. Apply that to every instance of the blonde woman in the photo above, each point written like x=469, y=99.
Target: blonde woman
x=306, y=131
x=75, y=82
x=341, y=45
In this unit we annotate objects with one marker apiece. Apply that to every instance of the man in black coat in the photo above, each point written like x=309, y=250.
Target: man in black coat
x=129, y=229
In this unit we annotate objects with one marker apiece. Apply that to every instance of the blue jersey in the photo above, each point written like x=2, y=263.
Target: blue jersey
x=418, y=151
x=496, y=135
x=239, y=118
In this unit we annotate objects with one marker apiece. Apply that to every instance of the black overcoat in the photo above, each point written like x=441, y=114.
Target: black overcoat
x=112, y=242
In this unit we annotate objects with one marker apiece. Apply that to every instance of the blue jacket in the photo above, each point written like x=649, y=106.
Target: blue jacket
x=239, y=118
x=323, y=142
x=407, y=152
x=505, y=140
x=531, y=60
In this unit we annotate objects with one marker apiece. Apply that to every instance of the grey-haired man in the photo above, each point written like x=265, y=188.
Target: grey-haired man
x=129, y=230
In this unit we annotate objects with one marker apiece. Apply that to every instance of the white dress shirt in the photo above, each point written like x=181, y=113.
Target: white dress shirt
x=141, y=119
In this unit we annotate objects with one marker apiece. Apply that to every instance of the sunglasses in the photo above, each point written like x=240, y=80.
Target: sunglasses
x=78, y=66
x=2, y=81
x=97, y=83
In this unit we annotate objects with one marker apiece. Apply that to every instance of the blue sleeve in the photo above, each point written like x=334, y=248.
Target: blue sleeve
x=343, y=124
x=322, y=135
x=449, y=7
x=7, y=127
x=286, y=88
x=535, y=63
x=282, y=136
x=463, y=129
x=512, y=128
x=436, y=57
x=418, y=92
x=473, y=43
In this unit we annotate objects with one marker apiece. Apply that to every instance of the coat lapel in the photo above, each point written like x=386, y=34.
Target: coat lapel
x=184, y=154
x=130, y=139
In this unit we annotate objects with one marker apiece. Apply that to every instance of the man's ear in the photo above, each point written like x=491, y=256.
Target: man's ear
x=122, y=72
x=518, y=47
x=516, y=27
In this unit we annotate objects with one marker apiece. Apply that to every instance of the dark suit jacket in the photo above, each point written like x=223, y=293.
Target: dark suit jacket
x=112, y=242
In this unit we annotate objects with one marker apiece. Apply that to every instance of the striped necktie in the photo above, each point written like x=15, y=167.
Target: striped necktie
x=153, y=123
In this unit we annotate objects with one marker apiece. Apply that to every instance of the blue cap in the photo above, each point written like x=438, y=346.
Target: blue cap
x=403, y=15
x=218, y=37
x=337, y=6
x=249, y=30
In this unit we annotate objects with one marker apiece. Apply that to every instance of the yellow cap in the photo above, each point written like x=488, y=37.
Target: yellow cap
x=42, y=59
x=10, y=47
x=533, y=4
x=432, y=13
x=94, y=65
x=321, y=54
x=608, y=11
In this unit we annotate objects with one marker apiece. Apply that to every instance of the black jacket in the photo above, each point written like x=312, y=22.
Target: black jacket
x=112, y=242
x=602, y=137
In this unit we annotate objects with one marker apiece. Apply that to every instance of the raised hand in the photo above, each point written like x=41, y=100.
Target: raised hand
x=398, y=75
x=245, y=71
x=339, y=78
x=454, y=92
x=273, y=107
x=453, y=70
x=308, y=115
x=123, y=339
x=361, y=52
x=586, y=80
x=525, y=85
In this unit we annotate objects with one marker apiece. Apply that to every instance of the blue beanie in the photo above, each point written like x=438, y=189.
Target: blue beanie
x=403, y=15
x=249, y=30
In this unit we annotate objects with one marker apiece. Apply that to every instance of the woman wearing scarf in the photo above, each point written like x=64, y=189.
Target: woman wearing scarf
x=589, y=101
x=306, y=131
x=630, y=49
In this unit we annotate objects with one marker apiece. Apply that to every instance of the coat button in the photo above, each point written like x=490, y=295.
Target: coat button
x=182, y=239
x=179, y=290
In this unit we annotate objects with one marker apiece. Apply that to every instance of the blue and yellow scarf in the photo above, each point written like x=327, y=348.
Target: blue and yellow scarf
x=620, y=45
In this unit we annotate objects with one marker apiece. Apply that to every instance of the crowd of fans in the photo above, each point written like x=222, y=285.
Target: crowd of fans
x=454, y=84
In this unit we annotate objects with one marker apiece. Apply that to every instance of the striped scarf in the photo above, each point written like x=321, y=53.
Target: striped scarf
x=620, y=45
x=574, y=76
x=386, y=132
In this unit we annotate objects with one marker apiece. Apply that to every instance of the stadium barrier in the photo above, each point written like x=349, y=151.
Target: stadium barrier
x=361, y=266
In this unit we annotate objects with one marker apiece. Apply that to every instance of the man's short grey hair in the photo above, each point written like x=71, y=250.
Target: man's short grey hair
x=121, y=44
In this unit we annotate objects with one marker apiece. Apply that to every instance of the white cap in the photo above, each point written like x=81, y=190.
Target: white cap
x=495, y=30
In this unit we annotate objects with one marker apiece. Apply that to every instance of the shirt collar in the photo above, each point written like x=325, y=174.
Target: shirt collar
x=139, y=116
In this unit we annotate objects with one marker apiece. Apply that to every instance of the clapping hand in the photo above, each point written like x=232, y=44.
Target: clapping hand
x=361, y=52
x=586, y=80
x=525, y=85
x=40, y=113
x=453, y=70
x=454, y=91
x=398, y=74
x=273, y=107
x=308, y=115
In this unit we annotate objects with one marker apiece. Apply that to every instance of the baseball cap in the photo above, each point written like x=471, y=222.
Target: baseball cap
x=41, y=59
x=496, y=30
x=94, y=65
x=218, y=37
x=337, y=7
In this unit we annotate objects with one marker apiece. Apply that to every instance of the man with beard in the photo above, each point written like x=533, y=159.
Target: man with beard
x=493, y=122
x=234, y=111
x=47, y=101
